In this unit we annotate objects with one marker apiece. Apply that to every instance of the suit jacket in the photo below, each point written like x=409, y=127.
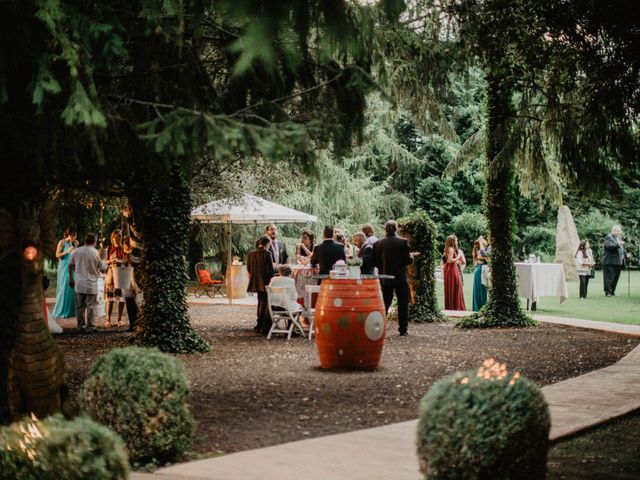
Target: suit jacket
x=366, y=254
x=260, y=268
x=326, y=254
x=282, y=256
x=613, y=252
x=391, y=255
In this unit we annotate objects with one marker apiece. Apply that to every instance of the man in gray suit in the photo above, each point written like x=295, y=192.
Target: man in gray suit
x=612, y=260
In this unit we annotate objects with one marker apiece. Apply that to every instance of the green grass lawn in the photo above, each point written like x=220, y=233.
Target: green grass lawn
x=622, y=308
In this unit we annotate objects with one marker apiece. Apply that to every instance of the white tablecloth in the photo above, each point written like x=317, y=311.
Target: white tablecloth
x=537, y=280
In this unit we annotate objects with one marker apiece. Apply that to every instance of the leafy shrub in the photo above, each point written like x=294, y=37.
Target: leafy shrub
x=141, y=394
x=539, y=240
x=468, y=226
x=439, y=199
x=55, y=449
x=483, y=425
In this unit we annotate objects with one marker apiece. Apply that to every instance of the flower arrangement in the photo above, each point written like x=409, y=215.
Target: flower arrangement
x=354, y=261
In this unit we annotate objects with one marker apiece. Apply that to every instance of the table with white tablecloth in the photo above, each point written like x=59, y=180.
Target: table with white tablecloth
x=537, y=280
x=304, y=276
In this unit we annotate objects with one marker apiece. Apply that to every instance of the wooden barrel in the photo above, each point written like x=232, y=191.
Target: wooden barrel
x=350, y=323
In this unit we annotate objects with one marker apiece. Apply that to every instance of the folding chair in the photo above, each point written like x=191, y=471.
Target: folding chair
x=310, y=311
x=207, y=284
x=290, y=318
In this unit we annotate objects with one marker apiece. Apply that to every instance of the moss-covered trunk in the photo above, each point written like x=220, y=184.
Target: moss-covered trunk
x=503, y=307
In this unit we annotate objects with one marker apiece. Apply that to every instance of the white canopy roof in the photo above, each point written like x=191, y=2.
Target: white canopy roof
x=247, y=210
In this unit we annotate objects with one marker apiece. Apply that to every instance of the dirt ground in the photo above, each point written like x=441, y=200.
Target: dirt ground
x=250, y=392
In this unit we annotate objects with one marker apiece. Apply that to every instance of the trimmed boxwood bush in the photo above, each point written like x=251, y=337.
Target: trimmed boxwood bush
x=485, y=424
x=141, y=394
x=55, y=449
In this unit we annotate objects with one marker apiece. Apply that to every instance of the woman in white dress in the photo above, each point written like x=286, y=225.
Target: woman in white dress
x=584, y=266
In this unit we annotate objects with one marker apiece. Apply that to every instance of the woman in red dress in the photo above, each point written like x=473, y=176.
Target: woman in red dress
x=452, y=257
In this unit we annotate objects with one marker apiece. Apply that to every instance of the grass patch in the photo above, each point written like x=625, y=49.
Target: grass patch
x=622, y=308
x=611, y=451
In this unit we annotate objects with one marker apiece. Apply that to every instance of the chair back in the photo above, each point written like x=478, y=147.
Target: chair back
x=204, y=277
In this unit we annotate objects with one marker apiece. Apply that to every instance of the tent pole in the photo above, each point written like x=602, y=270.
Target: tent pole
x=229, y=253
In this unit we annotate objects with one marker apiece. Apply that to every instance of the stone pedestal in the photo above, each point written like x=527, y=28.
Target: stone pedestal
x=567, y=242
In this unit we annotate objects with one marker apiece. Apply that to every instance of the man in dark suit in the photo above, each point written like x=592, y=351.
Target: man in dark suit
x=328, y=252
x=365, y=252
x=260, y=268
x=612, y=260
x=278, y=249
x=392, y=257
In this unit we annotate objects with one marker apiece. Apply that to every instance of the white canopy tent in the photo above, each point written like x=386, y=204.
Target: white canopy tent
x=247, y=210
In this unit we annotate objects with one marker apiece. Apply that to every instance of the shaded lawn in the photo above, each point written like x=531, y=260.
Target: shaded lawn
x=622, y=308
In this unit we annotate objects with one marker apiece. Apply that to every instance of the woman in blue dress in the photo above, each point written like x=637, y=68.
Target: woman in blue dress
x=479, y=260
x=65, y=295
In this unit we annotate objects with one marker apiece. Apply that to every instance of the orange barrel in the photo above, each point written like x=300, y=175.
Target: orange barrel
x=350, y=323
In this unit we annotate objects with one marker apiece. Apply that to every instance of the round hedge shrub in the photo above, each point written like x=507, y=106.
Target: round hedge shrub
x=141, y=394
x=56, y=448
x=485, y=424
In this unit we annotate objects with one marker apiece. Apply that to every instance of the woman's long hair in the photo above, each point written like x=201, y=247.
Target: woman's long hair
x=582, y=248
x=450, y=242
x=112, y=238
x=478, y=245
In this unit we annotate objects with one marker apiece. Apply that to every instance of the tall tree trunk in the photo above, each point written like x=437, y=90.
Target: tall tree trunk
x=164, y=212
x=503, y=307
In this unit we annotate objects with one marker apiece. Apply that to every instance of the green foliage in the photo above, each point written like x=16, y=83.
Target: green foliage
x=163, y=321
x=421, y=232
x=439, y=199
x=538, y=239
x=481, y=425
x=56, y=448
x=142, y=395
x=468, y=226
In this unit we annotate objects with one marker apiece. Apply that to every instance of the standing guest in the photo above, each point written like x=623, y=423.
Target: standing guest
x=260, y=268
x=392, y=257
x=285, y=280
x=328, y=252
x=369, y=234
x=584, y=266
x=278, y=249
x=86, y=264
x=612, y=260
x=453, y=294
x=479, y=290
x=113, y=295
x=129, y=294
x=348, y=249
x=65, y=306
x=365, y=252
x=304, y=249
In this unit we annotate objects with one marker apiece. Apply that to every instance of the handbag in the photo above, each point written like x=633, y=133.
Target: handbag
x=592, y=274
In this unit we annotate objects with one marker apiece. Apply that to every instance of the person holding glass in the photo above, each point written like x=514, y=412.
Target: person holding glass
x=304, y=249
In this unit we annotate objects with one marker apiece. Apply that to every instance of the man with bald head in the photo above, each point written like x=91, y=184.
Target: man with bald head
x=612, y=260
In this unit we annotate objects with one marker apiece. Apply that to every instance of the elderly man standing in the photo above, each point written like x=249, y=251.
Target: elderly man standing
x=392, y=257
x=365, y=252
x=87, y=265
x=612, y=260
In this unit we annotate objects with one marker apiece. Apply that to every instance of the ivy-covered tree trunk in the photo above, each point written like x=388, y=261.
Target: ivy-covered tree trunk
x=421, y=233
x=503, y=307
x=163, y=214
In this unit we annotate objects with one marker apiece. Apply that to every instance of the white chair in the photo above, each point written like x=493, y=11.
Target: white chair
x=310, y=311
x=290, y=318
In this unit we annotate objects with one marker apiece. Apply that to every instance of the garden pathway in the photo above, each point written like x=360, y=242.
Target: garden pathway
x=389, y=452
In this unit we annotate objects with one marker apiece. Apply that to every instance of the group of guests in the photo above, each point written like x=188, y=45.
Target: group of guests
x=453, y=263
x=388, y=256
x=79, y=271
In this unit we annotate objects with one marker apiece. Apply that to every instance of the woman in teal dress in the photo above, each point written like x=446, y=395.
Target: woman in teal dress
x=65, y=295
x=479, y=259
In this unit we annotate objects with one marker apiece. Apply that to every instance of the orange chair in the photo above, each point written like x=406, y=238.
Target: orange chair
x=206, y=283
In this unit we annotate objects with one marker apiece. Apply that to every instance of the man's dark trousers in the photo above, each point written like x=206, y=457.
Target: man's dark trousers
x=402, y=294
x=611, y=275
x=264, y=320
